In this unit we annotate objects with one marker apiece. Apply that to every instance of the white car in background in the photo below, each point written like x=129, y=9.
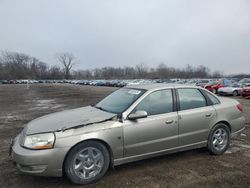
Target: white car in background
x=232, y=89
x=244, y=82
x=134, y=82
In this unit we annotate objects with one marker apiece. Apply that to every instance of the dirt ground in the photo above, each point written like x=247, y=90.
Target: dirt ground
x=195, y=168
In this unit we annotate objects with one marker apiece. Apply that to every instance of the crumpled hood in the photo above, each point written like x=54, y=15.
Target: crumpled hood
x=67, y=119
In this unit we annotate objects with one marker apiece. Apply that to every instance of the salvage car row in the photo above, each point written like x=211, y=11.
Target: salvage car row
x=221, y=86
x=217, y=86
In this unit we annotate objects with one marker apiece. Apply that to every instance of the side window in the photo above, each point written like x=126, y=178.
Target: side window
x=191, y=98
x=213, y=99
x=158, y=102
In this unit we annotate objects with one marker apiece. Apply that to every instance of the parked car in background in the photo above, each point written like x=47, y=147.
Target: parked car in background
x=100, y=83
x=3, y=81
x=41, y=81
x=133, y=123
x=246, y=91
x=134, y=82
x=25, y=81
x=244, y=82
x=232, y=89
x=18, y=81
x=214, y=86
x=33, y=81
x=12, y=82
x=209, y=85
x=202, y=82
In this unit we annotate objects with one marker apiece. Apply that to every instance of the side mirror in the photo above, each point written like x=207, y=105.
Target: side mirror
x=137, y=115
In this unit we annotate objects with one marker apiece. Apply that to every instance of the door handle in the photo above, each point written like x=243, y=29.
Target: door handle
x=209, y=115
x=169, y=121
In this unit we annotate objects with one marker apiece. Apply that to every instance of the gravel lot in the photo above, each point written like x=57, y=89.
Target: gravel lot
x=195, y=168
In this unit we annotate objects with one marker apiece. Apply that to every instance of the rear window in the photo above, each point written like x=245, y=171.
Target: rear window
x=191, y=98
x=212, y=98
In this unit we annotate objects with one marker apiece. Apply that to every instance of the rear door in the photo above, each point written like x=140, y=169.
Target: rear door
x=195, y=116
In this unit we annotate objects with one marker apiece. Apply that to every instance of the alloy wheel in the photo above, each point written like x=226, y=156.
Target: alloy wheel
x=88, y=163
x=220, y=139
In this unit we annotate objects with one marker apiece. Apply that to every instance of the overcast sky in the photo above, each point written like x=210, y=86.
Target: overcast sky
x=214, y=33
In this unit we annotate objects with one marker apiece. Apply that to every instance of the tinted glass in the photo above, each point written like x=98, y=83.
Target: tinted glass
x=118, y=101
x=213, y=99
x=158, y=102
x=191, y=98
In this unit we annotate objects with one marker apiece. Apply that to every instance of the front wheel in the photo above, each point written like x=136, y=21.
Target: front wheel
x=214, y=91
x=87, y=162
x=219, y=139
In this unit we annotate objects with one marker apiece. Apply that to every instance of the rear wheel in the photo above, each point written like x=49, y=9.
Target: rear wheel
x=235, y=93
x=214, y=91
x=87, y=162
x=219, y=139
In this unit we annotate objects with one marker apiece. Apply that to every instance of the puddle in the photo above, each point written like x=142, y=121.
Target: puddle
x=45, y=104
x=7, y=117
x=225, y=164
x=243, y=135
x=244, y=146
x=236, y=146
x=233, y=149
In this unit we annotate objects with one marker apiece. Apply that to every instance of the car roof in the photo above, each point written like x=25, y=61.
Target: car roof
x=155, y=86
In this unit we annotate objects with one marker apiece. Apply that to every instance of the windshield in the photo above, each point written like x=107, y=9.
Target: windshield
x=244, y=80
x=118, y=101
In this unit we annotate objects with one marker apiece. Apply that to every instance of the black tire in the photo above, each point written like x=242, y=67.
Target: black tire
x=69, y=162
x=212, y=149
x=214, y=91
x=235, y=93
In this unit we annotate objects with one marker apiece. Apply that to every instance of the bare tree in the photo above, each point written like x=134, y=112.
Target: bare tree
x=163, y=71
x=141, y=70
x=67, y=60
x=16, y=64
x=217, y=74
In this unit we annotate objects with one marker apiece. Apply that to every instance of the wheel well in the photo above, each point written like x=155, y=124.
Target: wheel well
x=226, y=123
x=97, y=140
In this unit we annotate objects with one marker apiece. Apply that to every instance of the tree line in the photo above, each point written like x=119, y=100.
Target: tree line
x=14, y=65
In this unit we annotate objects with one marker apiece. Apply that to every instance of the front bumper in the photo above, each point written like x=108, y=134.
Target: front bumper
x=47, y=162
x=244, y=93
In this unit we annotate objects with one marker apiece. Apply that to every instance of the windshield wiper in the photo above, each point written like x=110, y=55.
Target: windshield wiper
x=100, y=108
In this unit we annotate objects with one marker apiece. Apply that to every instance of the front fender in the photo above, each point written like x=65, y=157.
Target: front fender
x=110, y=133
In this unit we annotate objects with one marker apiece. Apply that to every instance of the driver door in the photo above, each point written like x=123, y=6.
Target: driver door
x=158, y=131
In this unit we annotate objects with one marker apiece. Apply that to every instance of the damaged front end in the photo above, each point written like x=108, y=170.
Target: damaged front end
x=61, y=121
